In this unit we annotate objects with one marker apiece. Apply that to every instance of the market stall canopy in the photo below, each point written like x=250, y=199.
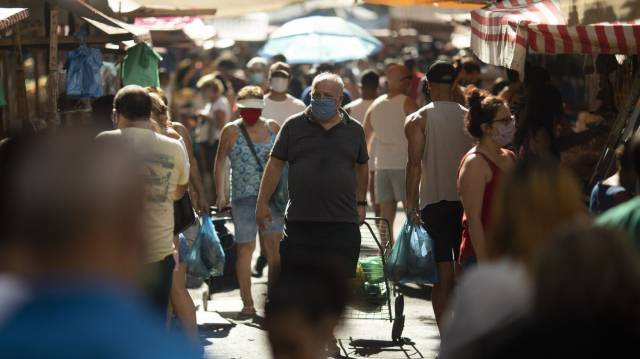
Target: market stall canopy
x=501, y=34
x=219, y=7
x=318, y=39
x=462, y=4
x=176, y=31
x=10, y=16
x=585, y=12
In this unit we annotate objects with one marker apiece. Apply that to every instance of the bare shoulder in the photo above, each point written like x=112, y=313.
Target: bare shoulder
x=416, y=121
x=273, y=125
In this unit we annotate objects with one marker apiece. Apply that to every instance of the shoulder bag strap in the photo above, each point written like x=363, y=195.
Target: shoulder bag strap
x=245, y=134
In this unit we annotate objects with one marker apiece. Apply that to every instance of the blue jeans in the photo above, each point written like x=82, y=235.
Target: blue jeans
x=244, y=220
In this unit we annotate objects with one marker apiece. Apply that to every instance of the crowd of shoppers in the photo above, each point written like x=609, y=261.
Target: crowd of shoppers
x=513, y=242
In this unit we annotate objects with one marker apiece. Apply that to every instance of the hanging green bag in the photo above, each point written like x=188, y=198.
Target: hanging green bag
x=140, y=66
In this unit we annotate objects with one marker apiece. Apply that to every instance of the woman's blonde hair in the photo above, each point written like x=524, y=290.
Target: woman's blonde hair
x=534, y=200
x=250, y=92
x=159, y=110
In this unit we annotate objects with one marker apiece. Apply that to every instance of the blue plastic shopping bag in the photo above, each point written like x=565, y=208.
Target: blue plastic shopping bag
x=421, y=261
x=396, y=265
x=412, y=258
x=206, y=257
x=83, y=73
x=211, y=250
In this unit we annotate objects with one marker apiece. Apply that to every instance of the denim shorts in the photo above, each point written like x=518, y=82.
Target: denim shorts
x=244, y=220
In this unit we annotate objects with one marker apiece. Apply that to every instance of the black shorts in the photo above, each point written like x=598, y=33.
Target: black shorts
x=443, y=221
x=329, y=242
x=158, y=278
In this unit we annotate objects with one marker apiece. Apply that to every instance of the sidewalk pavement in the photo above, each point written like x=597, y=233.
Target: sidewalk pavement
x=225, y=337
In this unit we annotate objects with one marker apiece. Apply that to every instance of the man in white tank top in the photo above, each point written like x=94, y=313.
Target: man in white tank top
x=384, y=125
x=437, y=142
x=369, y=84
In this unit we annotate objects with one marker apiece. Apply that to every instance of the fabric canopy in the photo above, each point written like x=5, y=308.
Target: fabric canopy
x=223, y=7
x=449, y=4
x=10, y=16
x=502, y=33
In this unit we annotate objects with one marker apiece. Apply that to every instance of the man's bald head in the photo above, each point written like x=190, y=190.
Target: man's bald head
x=399, y=78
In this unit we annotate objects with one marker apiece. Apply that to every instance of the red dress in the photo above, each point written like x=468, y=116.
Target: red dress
x=490, y=189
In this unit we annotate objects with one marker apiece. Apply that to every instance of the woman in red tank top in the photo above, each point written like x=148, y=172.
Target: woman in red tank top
x=490, y=122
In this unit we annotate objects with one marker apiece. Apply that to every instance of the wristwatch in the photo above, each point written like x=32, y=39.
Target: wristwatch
x=362, y=203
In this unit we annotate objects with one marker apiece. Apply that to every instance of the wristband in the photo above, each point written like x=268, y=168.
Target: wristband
x=361, y=203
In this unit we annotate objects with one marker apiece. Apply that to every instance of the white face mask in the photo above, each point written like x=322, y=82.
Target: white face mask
x=279, y=84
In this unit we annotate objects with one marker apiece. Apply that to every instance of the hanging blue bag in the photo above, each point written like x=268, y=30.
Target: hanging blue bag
x=211, y=250
x=421, y=259
x=396, y=265
x=83, y=72
x=412, y=258
x=193, y=260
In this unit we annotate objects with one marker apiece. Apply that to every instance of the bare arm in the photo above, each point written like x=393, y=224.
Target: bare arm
x=362, y=180
x=471, y=183
x=414, y=129
x=194, y=173
x=227, y=139
x=219, y=119
x=368, y=131
x=270, y=179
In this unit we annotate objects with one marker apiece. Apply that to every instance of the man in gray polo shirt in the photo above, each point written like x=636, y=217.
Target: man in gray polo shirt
x=328, y=175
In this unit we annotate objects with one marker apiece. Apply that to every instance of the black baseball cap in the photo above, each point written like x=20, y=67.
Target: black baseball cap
x=441, y=72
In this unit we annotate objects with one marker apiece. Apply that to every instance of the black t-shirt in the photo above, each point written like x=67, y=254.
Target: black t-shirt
x=322, y=175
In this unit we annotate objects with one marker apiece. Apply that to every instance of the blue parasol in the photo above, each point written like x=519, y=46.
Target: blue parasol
x=318, y=39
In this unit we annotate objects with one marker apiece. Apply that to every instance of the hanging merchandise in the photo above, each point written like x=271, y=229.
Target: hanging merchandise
x=140, y=66
x=83, y=71
x=3, y=100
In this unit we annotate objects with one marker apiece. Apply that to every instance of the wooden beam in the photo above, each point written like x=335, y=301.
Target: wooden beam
x=52, y=81
x=66, y=40
x=159, y=12
x=20, y=86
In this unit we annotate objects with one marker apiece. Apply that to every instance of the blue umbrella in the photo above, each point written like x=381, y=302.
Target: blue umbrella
x=317, y=39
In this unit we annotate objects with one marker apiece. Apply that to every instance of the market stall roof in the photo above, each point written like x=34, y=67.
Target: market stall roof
x=10, y=16
x=449, y=4
x=587, y=12
x=502, y=33
x=220, y=7
x=179, y=31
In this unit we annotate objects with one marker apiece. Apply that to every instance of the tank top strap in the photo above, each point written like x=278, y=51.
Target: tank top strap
x=492, y=165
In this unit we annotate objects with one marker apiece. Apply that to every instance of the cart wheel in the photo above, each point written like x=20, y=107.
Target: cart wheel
x=398, y=322
x=205, y=300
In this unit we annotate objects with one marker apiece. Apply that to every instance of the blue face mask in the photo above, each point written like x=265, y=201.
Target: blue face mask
x=323, y=109
x=256, y=78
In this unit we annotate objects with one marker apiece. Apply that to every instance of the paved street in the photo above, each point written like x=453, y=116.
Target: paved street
x=225, y=337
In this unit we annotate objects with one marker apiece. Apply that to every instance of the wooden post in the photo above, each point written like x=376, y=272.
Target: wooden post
x=37, y=62
x=21, y=89
x=52, y=81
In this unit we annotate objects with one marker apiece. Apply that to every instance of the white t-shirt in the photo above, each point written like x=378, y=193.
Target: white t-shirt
x=358, y=109
x=387, y=120
x=207, y=130
x=166, y=166
x=279, y=111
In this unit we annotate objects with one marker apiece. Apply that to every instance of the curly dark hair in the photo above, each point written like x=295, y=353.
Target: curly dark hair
x=482, y=109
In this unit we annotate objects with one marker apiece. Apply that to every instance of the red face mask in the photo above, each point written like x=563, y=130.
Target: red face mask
x=250, y=115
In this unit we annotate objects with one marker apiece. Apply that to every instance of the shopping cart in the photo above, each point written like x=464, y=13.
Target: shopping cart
x=373, y=292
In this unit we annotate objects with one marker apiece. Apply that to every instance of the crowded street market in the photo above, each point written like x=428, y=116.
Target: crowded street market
x=315, y=179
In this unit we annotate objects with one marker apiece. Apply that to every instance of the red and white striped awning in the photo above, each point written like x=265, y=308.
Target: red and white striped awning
x=501, y=33
x=10, y=16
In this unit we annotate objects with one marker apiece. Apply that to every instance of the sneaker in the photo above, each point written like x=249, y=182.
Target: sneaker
x=258, y=268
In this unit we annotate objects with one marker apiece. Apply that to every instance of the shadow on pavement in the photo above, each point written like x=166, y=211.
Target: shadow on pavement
x=215, y=330
x=369, y=348
x=415, y=291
